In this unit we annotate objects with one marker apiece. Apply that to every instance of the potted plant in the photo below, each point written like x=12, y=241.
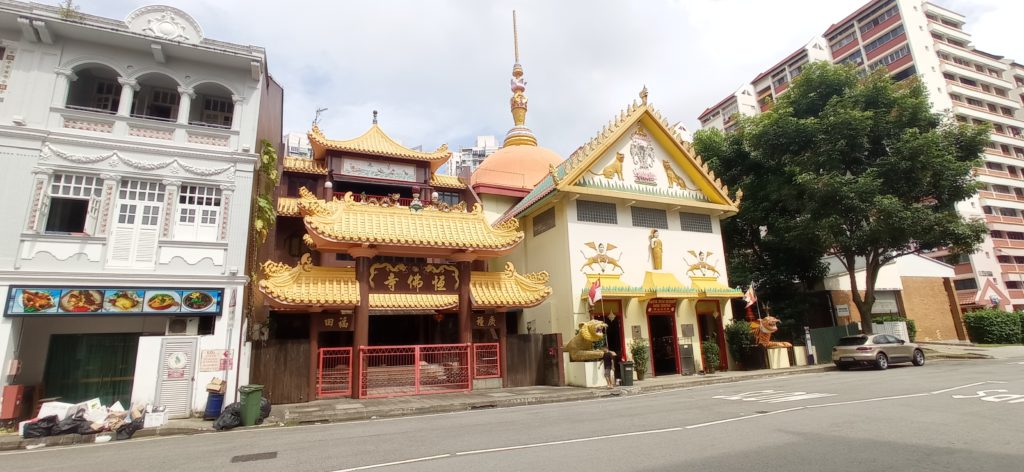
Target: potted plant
x=640, y=350
x=711, y=356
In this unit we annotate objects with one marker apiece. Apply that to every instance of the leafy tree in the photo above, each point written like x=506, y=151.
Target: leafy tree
x=853, y=166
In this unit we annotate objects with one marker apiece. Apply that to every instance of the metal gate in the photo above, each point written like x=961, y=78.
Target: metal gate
x=486, y=361
x=334, y=372
x=176, y=374
x=824, y=339
x=394, y=371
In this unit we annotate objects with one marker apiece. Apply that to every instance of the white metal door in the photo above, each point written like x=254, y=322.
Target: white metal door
x=176, y=375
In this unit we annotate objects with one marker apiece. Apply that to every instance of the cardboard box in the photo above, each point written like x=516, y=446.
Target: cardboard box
x=155, y=420
x=216, y=386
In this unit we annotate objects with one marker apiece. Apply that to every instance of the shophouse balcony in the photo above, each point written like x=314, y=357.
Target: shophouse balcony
x=93, y=99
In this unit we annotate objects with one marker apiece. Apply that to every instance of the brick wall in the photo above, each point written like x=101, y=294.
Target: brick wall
x=927, y=303
x=924, y=300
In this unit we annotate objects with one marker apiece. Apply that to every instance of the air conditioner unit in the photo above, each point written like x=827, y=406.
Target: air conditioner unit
x=182, y=326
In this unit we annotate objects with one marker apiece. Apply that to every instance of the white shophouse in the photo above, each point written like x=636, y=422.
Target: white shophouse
x=128, y=148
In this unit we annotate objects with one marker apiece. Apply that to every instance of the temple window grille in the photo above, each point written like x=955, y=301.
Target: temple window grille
x=649, y=217
x=695, y=222
x=596, y=212
x=544, y=221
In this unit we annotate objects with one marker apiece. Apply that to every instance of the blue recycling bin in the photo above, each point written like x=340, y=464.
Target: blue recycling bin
x=214, y=404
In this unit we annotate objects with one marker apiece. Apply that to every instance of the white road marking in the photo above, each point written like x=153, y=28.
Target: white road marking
x=867, y=400
x=389, y=464
x=965, y=386
x=568, y=441
x=711, y=423
x=773, y=396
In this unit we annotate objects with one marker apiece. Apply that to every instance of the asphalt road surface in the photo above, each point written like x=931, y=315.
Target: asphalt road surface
x=944, y=416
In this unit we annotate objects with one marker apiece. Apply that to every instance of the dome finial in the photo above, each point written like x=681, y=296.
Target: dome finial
x=519, y=134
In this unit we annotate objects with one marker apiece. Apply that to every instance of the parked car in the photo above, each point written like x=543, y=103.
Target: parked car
x=878, y=350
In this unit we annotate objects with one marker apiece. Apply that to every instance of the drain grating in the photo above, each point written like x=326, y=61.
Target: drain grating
x=254, y=457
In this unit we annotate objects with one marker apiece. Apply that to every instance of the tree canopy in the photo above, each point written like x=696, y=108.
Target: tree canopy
x=850, y=165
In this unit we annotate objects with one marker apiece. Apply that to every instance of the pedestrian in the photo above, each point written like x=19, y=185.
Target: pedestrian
x=609, y=371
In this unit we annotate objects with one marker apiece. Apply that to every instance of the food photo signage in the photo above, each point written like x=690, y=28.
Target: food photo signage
x=25, y=301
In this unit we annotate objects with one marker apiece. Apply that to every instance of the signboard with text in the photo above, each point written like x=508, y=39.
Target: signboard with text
x=387, y=277
x=661, y=306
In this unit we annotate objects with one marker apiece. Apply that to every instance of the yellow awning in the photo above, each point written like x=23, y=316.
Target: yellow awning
x=666, y=285
x=710, y=287
x=611, y=287
x=306, y=285
x=340, y=224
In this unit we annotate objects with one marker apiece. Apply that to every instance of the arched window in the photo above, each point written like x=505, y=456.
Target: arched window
x=212, y=107
x=157, y=98
x=95, y=89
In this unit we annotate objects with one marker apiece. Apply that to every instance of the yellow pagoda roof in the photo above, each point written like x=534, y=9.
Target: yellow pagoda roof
x=665, y=285
x=375, y=142
x=710, y=287
x=288, y=206
x=344, y=223
x=307, y=285
x=304, y=165
x=446, y=181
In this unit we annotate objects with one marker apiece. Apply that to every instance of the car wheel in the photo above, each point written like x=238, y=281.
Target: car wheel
x=842, y=366
x=881, y=361
x=918, y=357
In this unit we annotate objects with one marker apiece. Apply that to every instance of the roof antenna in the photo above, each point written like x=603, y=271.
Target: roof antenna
x=374, y=116
x=316, y=118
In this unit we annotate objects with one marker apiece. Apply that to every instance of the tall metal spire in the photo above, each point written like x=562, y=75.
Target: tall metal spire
x=519, y=134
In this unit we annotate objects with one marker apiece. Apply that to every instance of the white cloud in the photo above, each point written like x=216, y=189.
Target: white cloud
x=438, y=71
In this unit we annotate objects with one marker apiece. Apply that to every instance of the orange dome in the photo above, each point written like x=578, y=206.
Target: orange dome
x=515, y=167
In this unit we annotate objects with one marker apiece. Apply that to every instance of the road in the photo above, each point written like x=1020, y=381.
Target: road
x=946, y=415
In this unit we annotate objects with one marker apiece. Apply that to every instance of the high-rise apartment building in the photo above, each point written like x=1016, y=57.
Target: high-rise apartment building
x=465, y=160
x=916, y=38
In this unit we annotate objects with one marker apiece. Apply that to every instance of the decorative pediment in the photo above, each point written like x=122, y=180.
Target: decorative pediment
x=164, y=22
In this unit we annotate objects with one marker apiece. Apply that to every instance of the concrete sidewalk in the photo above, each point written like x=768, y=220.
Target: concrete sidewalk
x=347, y=409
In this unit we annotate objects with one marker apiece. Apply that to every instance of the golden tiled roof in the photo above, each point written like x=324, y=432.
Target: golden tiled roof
x=306, y=284
x=508, y=288
x=346, y=222
x=377, y=143
x=288, y=206
x=446, y=181
x=309, y=285
x=304, y=165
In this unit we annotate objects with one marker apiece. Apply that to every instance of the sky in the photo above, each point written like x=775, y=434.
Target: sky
x=438, y=71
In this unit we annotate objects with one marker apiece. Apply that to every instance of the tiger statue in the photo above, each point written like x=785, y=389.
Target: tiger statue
x=763, y=330
x=581, y=346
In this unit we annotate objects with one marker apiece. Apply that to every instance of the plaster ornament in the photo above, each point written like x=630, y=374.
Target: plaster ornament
x=641, y=150
x=674, y=179
x=656, y=249
x=601, y=257
x=763, y=330
x=581, y=347
x=612, y=170
x=702, y=266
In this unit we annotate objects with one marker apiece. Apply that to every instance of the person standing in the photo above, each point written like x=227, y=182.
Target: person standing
x=609, y=369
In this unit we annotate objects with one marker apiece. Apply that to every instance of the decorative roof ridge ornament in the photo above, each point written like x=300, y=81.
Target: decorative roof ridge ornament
x=519, y=135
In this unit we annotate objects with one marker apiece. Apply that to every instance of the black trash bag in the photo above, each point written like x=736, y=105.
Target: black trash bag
x=74, y=424
x=40, y=428
x=264, y=410
x=127, y=430
x=231, y=417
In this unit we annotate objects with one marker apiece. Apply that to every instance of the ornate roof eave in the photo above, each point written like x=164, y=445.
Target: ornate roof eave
x=375, y=142
x=447, y=181
x=304, y=166
x=437, y=230
x=288, y=206
x=306, y=286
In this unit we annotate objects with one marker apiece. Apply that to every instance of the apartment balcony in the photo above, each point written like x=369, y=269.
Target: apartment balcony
x=1017, y=220
x=95, y=122
x=985, y=177
x=976, y=92
x=1007, y=139
x=950, y=31
x=984, y=114
x=992, y=155
x=970, y=54
x=973, y=74
x=1008, y=243
x=996, y=173
x=1008, y=200
x=881, y=28
x=884, y=49
x=963, y=269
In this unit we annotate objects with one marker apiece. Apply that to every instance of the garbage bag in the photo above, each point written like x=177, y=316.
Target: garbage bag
x=40, y=428
x=231, y=417
x=264, y=410
x=74, y=424
x=127, y=430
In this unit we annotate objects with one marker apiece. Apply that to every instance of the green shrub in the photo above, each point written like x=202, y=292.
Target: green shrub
x=739, y=338
x=911, y=326
x=711, y=356
x=640, y=349
x=1020, y=317
x=993, y=326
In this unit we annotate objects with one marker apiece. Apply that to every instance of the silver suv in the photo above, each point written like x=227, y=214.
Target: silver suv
x=878, y=350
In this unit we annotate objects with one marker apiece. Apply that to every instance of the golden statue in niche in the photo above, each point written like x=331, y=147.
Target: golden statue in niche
x=656, y=249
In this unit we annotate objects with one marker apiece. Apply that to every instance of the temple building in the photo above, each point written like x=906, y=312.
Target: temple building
x=376, y=272
x=628, y=229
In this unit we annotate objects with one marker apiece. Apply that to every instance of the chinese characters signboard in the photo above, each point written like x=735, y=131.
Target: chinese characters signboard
x=112, y=301
x=661, y=306
x=386, y=277
x=342, y=322
x=485, y=321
